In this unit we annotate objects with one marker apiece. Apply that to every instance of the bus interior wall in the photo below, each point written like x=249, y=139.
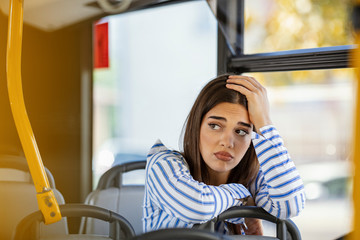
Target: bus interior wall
x=51, y=73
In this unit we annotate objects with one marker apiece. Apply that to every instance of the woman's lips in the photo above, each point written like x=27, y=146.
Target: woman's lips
x=224, y=156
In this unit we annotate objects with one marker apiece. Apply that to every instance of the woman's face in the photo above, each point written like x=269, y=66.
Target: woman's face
x=225, y=136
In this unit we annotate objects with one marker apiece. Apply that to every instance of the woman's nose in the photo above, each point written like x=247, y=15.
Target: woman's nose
x=227, y=140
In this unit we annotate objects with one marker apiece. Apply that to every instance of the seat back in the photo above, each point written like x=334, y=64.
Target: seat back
x=18, y=196
x=119, y=227
x=126, y=200
x=188, y=234
x=285, y=228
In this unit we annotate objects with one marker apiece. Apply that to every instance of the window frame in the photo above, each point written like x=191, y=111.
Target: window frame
x=292, y=60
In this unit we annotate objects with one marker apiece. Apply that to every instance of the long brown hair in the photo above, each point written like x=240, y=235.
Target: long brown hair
x=212, y=94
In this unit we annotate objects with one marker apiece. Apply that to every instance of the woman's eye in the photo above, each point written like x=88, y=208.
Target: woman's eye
x=214, y=126
x=241, y=132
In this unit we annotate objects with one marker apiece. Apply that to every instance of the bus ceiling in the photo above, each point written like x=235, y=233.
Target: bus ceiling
x=52, y=15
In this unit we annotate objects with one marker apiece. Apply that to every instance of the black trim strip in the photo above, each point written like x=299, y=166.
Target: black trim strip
x=356, y=17
x=294, y=60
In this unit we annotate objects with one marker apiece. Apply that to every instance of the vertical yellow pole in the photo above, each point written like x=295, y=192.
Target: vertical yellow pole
x=356, y=137
x=356, y=150
x=45, y=196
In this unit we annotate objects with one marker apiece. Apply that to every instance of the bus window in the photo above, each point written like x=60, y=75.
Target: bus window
x=314, y=114
x=157, y=67
x=159, y=60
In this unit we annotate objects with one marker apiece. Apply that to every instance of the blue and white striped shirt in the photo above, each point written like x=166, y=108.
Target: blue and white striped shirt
x=174, y=199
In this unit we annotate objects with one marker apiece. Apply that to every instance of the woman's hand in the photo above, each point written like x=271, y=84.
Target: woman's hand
x=258, y=103
x=254, y=226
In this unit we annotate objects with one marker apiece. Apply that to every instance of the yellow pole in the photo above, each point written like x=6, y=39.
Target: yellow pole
x=45, y=196
x=356, y=148
x=356, y=137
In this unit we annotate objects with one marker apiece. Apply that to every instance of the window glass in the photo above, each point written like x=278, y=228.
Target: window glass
x=159, y=60
x=313, y=111
x=277, y=25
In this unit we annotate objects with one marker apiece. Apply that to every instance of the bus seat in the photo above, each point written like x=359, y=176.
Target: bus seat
x=119, y=227
x=18, y=196
x=15, y=168
x=112, y=194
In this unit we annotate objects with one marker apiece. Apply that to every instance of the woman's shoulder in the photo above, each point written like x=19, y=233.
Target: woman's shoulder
x=158, y=147
x=160, y=152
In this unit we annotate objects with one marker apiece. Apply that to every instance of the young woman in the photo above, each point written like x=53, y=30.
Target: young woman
x=232, y=155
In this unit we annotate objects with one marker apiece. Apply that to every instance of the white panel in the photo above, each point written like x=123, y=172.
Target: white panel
x=50, y=15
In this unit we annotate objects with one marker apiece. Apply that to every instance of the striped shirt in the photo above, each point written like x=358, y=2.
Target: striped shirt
x=174, y=199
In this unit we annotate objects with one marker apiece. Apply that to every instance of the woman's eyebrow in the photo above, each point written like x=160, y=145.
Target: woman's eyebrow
x=218, y=118
x=244, y=124
x=224, y=119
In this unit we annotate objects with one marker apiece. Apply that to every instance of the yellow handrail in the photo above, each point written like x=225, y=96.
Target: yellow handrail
x=356, y=137
x=356, y=148
x=45, y=196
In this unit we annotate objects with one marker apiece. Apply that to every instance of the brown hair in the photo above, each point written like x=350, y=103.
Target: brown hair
x=212, y=94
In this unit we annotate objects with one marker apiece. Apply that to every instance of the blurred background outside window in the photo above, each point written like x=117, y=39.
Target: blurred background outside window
x=279, y=25
x=161, y=58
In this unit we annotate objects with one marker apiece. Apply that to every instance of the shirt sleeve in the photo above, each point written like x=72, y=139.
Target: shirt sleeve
x=172, y=188
x=278, y=187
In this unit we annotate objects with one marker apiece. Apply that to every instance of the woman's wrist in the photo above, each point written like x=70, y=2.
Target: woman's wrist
x=261, y=124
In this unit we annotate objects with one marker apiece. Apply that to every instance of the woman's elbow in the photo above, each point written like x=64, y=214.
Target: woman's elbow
x=286, y=209
x=293, y=207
